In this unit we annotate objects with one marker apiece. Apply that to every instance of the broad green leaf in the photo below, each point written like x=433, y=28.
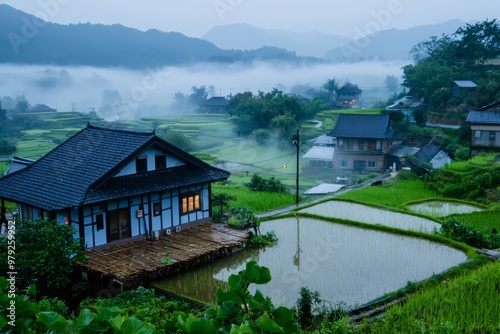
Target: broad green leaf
x=266, y=324
x=31, y=290
x=3, y=322
x=284, y=318
x=211, y=313
x=3, y=283
x=282, y=314
x=223, y=296
x=264, y=276
x=227, y=310
x=234, y=281
x=200, y=326
x=55, y=322
x=116, y=322
x=86, y=322
x=243, y=329
x=134, y=325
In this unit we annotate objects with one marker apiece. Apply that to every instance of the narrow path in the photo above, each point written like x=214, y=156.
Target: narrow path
x=321, y=198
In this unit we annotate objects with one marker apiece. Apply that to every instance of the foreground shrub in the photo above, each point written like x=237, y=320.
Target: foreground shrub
x=451, y=228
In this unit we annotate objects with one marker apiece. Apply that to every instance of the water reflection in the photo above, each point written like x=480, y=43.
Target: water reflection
x=442, y=208
x=344, y=263
x=370, y=215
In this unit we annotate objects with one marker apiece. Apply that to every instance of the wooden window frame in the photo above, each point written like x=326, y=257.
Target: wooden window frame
x=190, y=202
x=160, y=161
x=138, y=165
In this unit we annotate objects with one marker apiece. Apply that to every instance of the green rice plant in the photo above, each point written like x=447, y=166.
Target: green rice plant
x=459, y=166
x=466, y=304
x=256, y=201
x=482, y=160
x=395, y=194
x=484, y=221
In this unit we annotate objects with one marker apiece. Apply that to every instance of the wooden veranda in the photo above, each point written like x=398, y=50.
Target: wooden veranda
x=140, y=261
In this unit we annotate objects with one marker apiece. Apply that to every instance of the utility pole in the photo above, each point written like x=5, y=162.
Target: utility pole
x=296, y=142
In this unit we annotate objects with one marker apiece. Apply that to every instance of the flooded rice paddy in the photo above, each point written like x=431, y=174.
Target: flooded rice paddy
x=370, y=215
x=347, y=265
x=442, y=208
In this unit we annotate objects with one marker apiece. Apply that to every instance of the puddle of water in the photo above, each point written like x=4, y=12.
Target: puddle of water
x=345, y=264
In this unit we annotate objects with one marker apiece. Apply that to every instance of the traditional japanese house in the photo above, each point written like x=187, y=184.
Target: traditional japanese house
x=114, y=185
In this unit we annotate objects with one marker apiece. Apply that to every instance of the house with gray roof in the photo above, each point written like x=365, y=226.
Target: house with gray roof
x=114, y=185
x=361, y=142
x=485, y=129
x=18, y=163
x=348, y=95
x=320, y=155
x=214, y=105
x=42, y=108
x=429, y=157
x=463, y=87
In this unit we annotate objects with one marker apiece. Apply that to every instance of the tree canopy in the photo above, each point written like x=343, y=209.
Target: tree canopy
x=460, y=56
x=272, y=111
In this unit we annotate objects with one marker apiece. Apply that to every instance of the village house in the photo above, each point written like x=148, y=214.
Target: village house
x=348, y=95
x=214, y=105
x=114, y=185
x=463, y=87
x=42, y=108
x=485, y=129
x=429, y=157
x=361, y=142
x=320, y=155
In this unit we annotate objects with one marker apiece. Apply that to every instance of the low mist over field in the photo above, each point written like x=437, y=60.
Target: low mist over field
x=151, y=92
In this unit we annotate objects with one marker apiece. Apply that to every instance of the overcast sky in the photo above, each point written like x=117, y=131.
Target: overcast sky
x=195, y=17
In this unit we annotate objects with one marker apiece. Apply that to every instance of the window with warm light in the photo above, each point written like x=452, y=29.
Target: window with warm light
x=190, y=202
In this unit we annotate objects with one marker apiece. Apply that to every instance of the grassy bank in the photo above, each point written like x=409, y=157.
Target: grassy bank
x=466, y=304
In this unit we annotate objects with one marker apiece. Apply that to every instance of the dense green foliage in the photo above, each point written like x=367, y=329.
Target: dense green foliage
x=220, y=205
x=272, y=184
x=45, y=253
x=455, y=230
x=470, y=185
x=274, y=111
x=484, y=221
x=462, y=56
x=146, y=305
x=23, y=316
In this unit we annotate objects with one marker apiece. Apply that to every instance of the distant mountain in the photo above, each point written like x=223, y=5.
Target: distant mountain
x=247, y=37
x=390, y=44
x=25, y=39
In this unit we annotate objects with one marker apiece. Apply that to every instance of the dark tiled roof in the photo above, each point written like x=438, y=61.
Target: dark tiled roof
x=63, y=177
x=215, y=101
x=362, y=126
x=139, y=184
x=483, y=117
x=495, y=106
x=18, y=163
x=42, y=108
x=349, y=88
x=427, y=153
